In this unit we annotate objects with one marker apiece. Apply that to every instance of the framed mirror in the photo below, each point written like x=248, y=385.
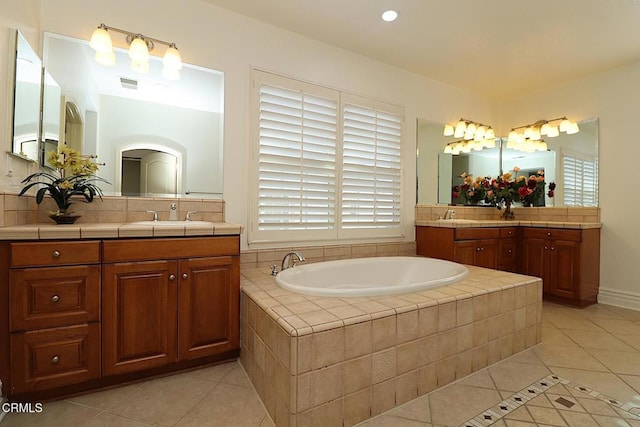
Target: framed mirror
x=27, y=87
x=118, y=111
x=571, y=162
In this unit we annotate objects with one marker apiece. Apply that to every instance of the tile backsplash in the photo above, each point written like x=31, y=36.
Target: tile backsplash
x=550, y=214
x=19, y=210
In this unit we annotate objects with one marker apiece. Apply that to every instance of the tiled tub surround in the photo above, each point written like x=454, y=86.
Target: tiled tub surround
x=547, y=214
x=328, y=361
x=24, y=210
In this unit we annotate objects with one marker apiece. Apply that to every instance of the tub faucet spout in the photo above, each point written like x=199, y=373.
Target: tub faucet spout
x=449, y=214
x=287, y=260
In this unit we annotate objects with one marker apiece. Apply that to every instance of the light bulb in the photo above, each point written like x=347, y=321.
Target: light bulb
x=172, y=58
x=101, y=40
x=553, y=132
x=461, y=127
x=138, y=50
x=448, y=130
x=573, y=128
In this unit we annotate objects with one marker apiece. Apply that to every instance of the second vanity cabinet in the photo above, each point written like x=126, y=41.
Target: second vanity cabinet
x=567, y=260
x=76, y=315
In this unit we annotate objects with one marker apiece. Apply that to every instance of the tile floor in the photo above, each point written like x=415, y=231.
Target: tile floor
x=597, y=348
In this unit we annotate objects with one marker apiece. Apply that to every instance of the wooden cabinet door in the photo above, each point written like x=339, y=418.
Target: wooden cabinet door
x=139, y=315
x=564, y=268
x=464, y=252
x=208, y=312
x=535, y=260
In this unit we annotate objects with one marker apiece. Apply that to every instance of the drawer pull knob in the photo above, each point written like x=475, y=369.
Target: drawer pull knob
x=552, y=248
x=56, y=254
x=477, y=249
x=55, y=359
x=55, y=298
x=545, y=248
x=509, y=251
x=549, y=234
x=185, y=275
x=172, y=277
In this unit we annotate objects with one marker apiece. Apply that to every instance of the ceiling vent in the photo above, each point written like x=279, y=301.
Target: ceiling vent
x=129, y=83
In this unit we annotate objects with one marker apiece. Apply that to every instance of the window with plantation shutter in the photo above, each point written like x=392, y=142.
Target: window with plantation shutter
x=580, y=179
x=371, y=168
x=328, y=163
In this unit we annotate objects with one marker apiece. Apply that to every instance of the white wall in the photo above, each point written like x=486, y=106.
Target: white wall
x=613, y=98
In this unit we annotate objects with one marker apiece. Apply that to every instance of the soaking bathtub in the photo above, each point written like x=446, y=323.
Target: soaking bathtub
x=361, y=277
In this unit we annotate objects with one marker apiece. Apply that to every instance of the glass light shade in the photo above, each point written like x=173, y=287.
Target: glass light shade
x=573, y=128
x=141, y=67
x=448, y=130
x=466, y=149
x=520, y=139
x=448, y=149
x=564, y=125
x=513, y=136
x=105, y=58
x=544, y=130
x=138, y=50
x=528, y=132
x=543, y=146
x=490, y=143
x=170, y=73
x=461, y=127
x=172, y=58
x=468, y=134
x=535, y=134
x=490, y=134
x=480, y=133
x=471, y=127
x=553, y=132
x=101, y=40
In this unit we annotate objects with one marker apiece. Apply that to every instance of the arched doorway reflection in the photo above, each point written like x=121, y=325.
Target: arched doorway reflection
x=149, y=172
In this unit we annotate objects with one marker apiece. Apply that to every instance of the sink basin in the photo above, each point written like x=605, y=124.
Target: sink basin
x=173, y=223
x=458, y=220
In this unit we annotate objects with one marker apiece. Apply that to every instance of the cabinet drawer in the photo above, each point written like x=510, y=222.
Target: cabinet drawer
x=54, y=253
x=471, y=233
x=553, y=233
x=143, y=249
x=52, y=358
x=54, y=296
x=507, y=232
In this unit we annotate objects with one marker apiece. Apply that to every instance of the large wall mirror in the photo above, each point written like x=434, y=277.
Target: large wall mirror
x=128, y=118
x=27, y=87
x=571, y=161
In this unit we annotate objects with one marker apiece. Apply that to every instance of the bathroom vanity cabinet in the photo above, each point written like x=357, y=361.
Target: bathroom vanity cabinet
x=84, y=314
x=567, y=260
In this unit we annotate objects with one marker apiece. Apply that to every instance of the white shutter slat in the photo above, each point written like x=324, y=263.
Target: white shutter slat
x=580, y=179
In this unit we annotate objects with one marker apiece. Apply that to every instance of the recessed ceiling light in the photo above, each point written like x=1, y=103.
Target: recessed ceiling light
x=389, y=15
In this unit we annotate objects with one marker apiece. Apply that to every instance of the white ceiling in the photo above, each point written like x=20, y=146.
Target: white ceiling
x=497, y=48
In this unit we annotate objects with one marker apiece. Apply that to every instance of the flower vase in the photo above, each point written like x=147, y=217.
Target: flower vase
x=62, y=217
x=508, y=213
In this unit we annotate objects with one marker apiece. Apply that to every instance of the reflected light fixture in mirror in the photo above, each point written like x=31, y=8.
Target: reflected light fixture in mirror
x=139, y=48
x=472, y=136
x=528, y=138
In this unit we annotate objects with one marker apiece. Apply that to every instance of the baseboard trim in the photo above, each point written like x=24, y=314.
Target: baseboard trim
x=619, y=298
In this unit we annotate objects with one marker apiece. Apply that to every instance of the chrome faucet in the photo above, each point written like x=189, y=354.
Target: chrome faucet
x=449, y=214
x=287, y=259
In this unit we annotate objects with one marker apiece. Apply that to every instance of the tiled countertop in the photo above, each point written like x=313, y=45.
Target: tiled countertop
x=491, y=223
x=116, y=230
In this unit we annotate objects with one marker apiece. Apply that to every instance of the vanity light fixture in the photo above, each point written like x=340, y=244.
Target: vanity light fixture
x=139, y=48
x=528, y=138
x=471, y=136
